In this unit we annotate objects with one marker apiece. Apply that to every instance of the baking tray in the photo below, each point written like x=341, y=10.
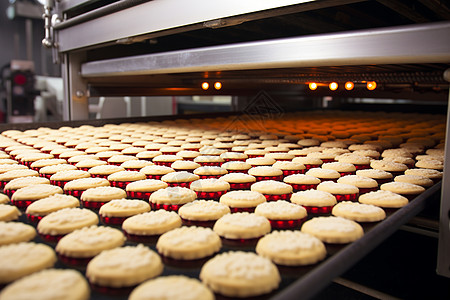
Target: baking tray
x=306, y=281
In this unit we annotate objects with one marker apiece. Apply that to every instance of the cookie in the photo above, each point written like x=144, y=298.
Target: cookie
x=342, y=191
x=9, y=213
x=162, y=288
x=124, y=266
x=24, y=259
x=86, y=164
x=171, y=198
x=36, y=165
x=122, y=178
x=66, y=220
x=77, y=187
x=89, y=241
x=266, y=173
x=15, y=232
x=242, y=226
x=379, y=175
x=188, y=243
x=273, y=190
x=151, y=223
x=156, y=172
x=97, y=196
x=408, y=190
x=435, y=175
x=206, y=172
x=364, y=184
x=240, y=201
x=184, y=165
x=13, y=174
x=301, y=182
x=342, y=167
x=117, y=210
x=385, y=199
x=203, y=210
x=27, y=195
x=291, y=248
x=335, y=230
x=180, y=178
x=239, y=181
x=358, y=212
x=60, y=178
x=142, y=189
x=240, y=274
x=21, y=182
x=65, y=284
x=282, y=214
x=415, y=179
x=48, y=171
x=236, y=166
x=42, y=207
x=211, y=188
x=324, y=174
x=104, y=171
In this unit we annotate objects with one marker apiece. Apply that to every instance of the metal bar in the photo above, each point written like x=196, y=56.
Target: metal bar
x=75, y=105
x=155, y=17
x=443, y=259
x=314, y=281
x=426, y=43
x=364, y=289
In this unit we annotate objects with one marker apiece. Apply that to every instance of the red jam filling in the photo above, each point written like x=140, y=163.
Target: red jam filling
x=255, y=155
x=292, y=172
x=180, y=184
x=237, y=171
x=139, y=195
x=209, y=224
x=241, y=186
x=367, y=190
x=21, y=203
x=59, y=183
x=170, y=153
x=210, y=176
x=84, y=168
x=163, y=163
x=327, y=160
x=234, y=159
x=141, y=238
x=75, y=193
x=2, y=184
x=52, y=238
x=120, y=184
x=168, y=207
x=133, y=169
x=92, y=204
x=9, y=193
x=347, y=173
x=150, y=176
x=318, y=209
x=240, y=242
x=74, y=261
x=100, y=175
x=311, y=166
x=113, y=220
x=362, y=167
x=114, y=163
x=276, y=178
x=286, y=224
x=210, y=195
x=303, y=187
x=346, y=197
x=286, y=197
x=210, y=164
x=242, y=209
x=34, y=219
x=27, y=163
x=45, y=175
x=328, y=179
x=35, y=169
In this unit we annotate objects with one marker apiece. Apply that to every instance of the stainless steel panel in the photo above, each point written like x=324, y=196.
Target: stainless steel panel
x=160, y=15
x=429, y=43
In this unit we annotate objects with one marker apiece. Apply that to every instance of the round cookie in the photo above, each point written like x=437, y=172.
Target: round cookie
x=135, y=164
x=87, y=164
x=180, y=178
x=291, y=248
x=26, y=195
x=240, y=274
x=282, y=214
x=15, y=232
x=324, y=174
x=408, y=190
x=358, y=212
x=273, y=190
x=66, y=220
x=171, y=198
x=49, y=171
x=65, y=284
x=301, y=182
x=96, y=197
x=45, y=206
x=142, y=189
x=162, y=288
x=203, y=210
x=342, y=191
x=21, y=182
x=76, y=187
x=184, y=165
x=151, y=223
x=10, y=175
x=9, y=213
x=236, y=166
x=24, y=259
x=385, y=199
x=242, y=225
x=205, y=172
x=266, y=173
x=239, y=181
x=379, y=175
x=156, y=172
x=61, y=177
x=117, y=210
x=435, y=175
x=415, y=179
x=122, y=178
x=240, y=201
x=335, y=230
x=104, y=171
x=364, y=184
x=89, y=241
x=187, y=243
x=124, y=266
x=314, y=200
x=211, y=188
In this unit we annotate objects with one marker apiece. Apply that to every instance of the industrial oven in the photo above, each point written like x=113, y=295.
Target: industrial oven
x=169, y=47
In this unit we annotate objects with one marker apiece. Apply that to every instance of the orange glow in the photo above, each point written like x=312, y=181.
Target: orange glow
x=205, y=85
x=218, y=85
x=333, y=86
x=312, y=86
x=371, y=85
x=349, y=85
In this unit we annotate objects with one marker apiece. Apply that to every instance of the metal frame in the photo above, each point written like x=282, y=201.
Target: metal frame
x=428, y=43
